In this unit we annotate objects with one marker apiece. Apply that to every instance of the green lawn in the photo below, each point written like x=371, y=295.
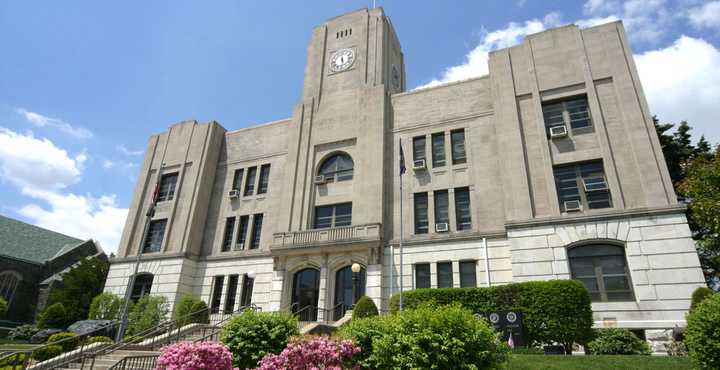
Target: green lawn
x=555, y=362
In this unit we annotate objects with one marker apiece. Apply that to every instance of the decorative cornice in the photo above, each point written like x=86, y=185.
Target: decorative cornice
x=450, y=237
x=597, y=216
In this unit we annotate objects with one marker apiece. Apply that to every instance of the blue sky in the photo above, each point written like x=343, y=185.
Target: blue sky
x=83, y=84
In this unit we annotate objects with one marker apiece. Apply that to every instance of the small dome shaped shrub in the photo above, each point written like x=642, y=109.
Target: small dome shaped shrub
x=699, y=295
x=252, y=335
x=702, y=337
x=64, y=341
x=617, y=341
x=365, y=307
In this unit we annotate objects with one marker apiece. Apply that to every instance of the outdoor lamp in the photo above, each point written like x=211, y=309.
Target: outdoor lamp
x=251, y=274
x=355, y=267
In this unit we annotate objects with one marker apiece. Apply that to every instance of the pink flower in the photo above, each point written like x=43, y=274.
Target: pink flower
x=195, y=356
x=312, y=353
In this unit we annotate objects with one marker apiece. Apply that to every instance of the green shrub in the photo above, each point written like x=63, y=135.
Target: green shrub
x=702, y=337
x=448, y=337
x=47, y=352
x=67, y=345
x=147, y=313
x=22, y=332
x=365, y=307
x=251, y=335
x=191, y=309
x=100, y=339
x=699, y=295
x=553, y=311
x=617, y=341
x=54, y=316
x=3, y=306
x=105, y=306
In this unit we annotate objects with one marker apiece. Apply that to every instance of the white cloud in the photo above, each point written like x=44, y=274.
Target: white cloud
x=706, y=15
x=107, y=164
x=681, y=83
x=591, y=22
x=43, y=121
x=124, y=150
x=84, y=217
x=645, y=20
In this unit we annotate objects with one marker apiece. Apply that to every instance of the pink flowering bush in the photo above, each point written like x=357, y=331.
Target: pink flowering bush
x=195, y=356
x=313, y=353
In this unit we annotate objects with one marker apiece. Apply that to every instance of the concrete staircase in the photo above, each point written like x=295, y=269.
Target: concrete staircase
x=107, y=361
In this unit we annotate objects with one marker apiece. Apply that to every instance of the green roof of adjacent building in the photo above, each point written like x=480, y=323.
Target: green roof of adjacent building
x=31, y=243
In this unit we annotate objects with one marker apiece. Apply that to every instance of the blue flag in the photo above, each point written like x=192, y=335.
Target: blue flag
x=402, y=159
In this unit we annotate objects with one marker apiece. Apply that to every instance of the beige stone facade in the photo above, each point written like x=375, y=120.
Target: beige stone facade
x=523, y=220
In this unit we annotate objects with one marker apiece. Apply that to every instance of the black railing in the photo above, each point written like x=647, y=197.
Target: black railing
x=146, y=362
x=313, y=313
x=212, y=333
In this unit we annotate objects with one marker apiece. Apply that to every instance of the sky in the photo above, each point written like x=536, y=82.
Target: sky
x=83, y=84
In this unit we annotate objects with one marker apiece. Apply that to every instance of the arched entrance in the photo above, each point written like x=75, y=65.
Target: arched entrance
x=344, y=281
x=305, y=294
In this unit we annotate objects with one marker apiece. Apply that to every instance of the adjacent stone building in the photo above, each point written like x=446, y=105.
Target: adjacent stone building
x=547, y=168
x=32, y=260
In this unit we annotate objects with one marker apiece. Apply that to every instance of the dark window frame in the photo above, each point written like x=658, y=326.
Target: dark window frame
x=437, y=146
x=468, y=267
x=238, y=179
x=337, y=167
x=419, y=150
x=570, y=185
x=264, y=179
x=462, y=221
x=142, y=286
x=243, y=225
x=247, y=290
x=155, y=236
x=256, y=231
x=231, y=293
x=571, y=112
x=228, y=234
x=422, y=275
x=422, y=225
x=168, y=185
x=334, y=216
x=216, y=295
x=458, y=146
x=441, y=215
x=597, y=261
x=444, y=277
x=250, y=181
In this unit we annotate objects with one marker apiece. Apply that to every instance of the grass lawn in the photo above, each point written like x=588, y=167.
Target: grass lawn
x=555, y=362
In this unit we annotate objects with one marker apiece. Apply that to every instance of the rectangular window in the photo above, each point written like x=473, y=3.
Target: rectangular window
x=257, y=228
x=421, y=213
x=334, y=215
x=242, y=233
x=572, y=113
x=154, y=237
x=167, y=187
x=584, y=183
x=264, y=179
x=216, y=294
x=237, y=180
x=444, y=275
x=467, y=274
x=441, y=207
x=438, y=149
x=463, y=216
x=422, y=275
x=250, y=181
x=231, y=293
x=418, y=148
x=247, y=289
x=457, y=140
x=228, y=236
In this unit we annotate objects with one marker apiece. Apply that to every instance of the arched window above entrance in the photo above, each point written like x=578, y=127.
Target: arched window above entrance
x=142, y=286
x=337, y=167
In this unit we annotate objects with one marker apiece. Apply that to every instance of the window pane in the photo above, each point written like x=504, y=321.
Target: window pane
x=167, y=187
x=441, y=207
x=616, y=283
x=338, y=167
x=578, y=112
x=231, y=293
x=257, y=229
x=468, y=278
x=343, y=214
x=323, y=217
x=457, y=140
x=154, y=237
x=573, y=180
x=612, y=265
x=601, y=264
x=216, y=294
x=553, y=115
x=596, y=250
x=422, y=275
x=242, y=233
x=264, y=178
x=421, y=213
x=599, y=199
x=462, y=209
x=247, y=289
x=583, y=267
x=444, y=275
x=438, y=149
x=590, y=283
x=250, y=181
x=620, y=296
x=418, y=148
x=228, y=236
x=237, y=179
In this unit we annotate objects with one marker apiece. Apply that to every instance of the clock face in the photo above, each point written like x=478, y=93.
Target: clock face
x=342, y=60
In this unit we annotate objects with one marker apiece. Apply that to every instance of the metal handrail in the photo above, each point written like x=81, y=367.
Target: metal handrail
x=144, y=362
x=215, y=329
x=316, y=310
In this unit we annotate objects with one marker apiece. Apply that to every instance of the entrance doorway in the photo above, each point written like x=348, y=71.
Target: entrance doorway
x=344, y=281
x=305, y=294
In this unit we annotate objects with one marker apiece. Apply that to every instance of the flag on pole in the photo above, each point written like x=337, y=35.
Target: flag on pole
x=402, y=159
x=511, y=342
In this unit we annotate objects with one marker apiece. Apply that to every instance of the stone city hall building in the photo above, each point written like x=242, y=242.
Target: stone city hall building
x=547, y=168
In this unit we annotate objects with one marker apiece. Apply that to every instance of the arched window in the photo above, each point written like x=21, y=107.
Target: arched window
x=9, y=281
x=603, y=270
x=141, y=286
x=338, y=167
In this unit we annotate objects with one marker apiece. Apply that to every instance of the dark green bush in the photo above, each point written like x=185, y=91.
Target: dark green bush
x=191, y=309
x=251, y=335
x=100, y=339
x=553, y=311
x=105, y=306
x=448, y=337
x=47, y=352
x=699, y=295
x=365, y=307
x=22, y=332
x=54, y=317
x=67, y=345
x=147, y=313
x=702, y=337
x=3, y=306
x=617, y=341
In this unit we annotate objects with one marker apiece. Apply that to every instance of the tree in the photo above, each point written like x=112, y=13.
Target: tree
x=79, y=286
x=105, y=306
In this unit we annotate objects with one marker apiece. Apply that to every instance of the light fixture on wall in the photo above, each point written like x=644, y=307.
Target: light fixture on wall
x=251, y=274
x=356, y=267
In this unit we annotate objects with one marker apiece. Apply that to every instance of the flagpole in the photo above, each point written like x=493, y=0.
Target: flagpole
x=401, y=229
x=131, y=280
x=392, y=269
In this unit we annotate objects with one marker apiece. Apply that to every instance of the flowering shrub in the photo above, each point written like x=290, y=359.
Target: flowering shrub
x=312, y=353
x=195, y=356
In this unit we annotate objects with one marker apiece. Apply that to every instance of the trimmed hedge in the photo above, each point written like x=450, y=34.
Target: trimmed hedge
x=54, y=317
x=699, y=295
x=47, y=352
x=192, y=309
x=365, y=307
x=617, y=341
x=67, y=345
x=555, y=311
x=252, y=335
x=702, y=337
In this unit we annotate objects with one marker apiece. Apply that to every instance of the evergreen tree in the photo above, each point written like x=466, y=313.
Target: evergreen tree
x=79, y=286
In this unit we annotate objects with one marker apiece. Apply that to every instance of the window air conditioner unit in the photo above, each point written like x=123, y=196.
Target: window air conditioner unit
x=234, y=193
x=320, y=179
x=419, y=164
x=442, y=227
x=572, y=206
x=558, y=131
